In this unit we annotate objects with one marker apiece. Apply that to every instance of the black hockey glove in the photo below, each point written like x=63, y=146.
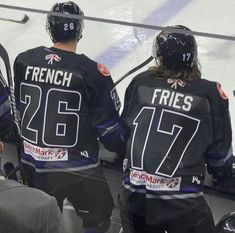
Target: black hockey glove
x=223, y=173
x=10, y=134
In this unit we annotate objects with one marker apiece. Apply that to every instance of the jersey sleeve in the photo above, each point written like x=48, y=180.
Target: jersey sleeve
x=105, y=104
x=127, y=98
x=6, y=119
x=220, y=155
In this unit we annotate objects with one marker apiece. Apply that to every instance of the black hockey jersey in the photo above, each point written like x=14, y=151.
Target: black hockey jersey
x=67, y=104
x=6, y=120
x=175, y=128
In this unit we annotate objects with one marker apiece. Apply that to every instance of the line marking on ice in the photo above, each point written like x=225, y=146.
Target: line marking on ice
x=123, y=47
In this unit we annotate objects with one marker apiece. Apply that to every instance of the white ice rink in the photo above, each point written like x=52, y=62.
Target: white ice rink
x=121, y=48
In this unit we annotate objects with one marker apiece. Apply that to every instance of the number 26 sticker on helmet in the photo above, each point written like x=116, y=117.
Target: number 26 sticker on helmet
x=64, y=28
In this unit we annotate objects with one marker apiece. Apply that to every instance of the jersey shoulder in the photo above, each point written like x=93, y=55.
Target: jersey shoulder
x=97, y=68
x=97, y=74
x=213, y=89
x=30, y=51
x=147, y=78
x=28, y=54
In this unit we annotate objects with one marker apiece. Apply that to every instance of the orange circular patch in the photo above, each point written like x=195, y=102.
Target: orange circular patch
x=103, y=70
x=221, y=92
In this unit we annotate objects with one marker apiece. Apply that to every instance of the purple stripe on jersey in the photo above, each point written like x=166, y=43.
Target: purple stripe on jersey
x=122, y=48
x=126, y=179
x=3, y=99
x=107, y=123
x=6, y=115
x=192, y=189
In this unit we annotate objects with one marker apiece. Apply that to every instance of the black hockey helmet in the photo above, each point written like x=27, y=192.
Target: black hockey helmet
x=62, y=29
x=226, y=224
x=175, y=50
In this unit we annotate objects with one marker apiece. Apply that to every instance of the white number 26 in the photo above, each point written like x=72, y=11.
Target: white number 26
x=69, y=26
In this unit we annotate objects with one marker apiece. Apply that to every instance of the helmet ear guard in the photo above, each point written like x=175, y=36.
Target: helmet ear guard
x=62, y=29
x=175, y=50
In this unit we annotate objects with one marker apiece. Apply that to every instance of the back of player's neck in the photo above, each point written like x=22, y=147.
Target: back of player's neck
x=70, y=46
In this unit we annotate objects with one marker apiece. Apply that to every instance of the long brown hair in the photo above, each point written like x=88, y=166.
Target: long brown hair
x=187, y=74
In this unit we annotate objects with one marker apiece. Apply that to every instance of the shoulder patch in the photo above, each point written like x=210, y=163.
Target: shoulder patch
x=103, y=70
x=221, y=92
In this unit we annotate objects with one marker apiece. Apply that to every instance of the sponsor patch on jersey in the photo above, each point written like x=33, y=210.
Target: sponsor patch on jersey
x=103, y=70
x=154, y=182
x=52, y=57
x=45, y=154
x=221, y=92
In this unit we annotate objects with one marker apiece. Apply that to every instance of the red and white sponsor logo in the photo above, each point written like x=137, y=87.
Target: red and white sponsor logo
x=52, y=57
x=45, y=154
x=221, y=92
x=154, y=182
x=103, y=70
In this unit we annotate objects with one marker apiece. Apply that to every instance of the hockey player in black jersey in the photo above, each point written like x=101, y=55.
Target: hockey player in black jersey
x=68, y=104
x=178, y=124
